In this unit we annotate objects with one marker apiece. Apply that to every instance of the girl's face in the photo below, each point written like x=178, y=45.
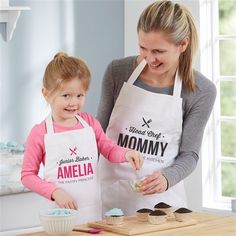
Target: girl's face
x=67, y=102
x=161, y=55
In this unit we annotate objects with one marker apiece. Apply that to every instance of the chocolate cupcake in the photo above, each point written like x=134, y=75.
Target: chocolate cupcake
x=164, y=207
x=182, y=214
x=142, y=214
x=157, y=217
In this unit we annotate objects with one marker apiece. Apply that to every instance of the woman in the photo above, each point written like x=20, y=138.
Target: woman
x=158, y=104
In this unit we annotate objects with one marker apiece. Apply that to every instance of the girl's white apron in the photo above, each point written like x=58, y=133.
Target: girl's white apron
x=152, y=124
x=71, y=163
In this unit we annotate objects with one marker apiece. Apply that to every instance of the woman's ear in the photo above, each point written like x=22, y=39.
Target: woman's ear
x=184, y=44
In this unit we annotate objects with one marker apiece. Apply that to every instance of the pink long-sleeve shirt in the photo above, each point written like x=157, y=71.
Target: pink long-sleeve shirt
x=35, y=153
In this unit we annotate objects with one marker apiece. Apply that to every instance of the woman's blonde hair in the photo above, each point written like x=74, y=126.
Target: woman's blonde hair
x=178, y=23
x=64, y=68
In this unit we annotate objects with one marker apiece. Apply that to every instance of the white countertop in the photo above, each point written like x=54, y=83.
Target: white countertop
x=21, y=231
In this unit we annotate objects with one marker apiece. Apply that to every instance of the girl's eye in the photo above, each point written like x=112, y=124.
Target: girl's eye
x=66, y=95
x=80, y=95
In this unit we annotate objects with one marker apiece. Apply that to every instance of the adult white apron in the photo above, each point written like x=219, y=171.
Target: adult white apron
x=152, y=124
x=71, y=163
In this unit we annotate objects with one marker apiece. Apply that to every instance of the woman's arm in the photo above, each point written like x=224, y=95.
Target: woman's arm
x=106, y=103
x=117, y=72
x=196, y=115
x=197, y=110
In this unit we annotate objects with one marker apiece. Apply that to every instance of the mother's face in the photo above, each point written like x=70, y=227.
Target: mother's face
x=161, y=54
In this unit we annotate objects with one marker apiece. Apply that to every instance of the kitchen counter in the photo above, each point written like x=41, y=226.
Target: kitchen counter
x=10, y=174
x=207, y=225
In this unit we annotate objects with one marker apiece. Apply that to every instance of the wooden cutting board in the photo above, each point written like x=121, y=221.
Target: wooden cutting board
x=132, y=226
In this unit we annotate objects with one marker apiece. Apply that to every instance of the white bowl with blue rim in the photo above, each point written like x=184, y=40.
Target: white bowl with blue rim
x=58, y=221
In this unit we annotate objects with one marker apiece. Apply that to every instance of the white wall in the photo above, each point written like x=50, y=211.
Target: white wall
x=133, y=9
x=92, y=30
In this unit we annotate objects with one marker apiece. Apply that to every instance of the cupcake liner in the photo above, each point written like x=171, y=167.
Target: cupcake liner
x=142, y=216
x=114, y=220
x=156, y=220
x=182, y=216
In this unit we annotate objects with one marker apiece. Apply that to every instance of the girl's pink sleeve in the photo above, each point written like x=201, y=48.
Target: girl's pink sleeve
x=106, y=146
x=34, y=155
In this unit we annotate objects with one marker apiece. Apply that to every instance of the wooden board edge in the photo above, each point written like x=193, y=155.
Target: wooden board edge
x=109, y=228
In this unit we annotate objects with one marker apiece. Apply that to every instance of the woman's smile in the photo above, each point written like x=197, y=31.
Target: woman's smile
x=154, y=66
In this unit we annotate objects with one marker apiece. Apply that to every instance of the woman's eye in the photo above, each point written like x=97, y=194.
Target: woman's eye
x=158, y=51
x=142, y=48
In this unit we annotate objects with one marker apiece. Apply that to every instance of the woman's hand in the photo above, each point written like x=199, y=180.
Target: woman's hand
x=134, y=158
x=155, y=183
x=63, y=199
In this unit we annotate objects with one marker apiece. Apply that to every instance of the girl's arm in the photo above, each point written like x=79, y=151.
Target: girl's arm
x=109, y=149
x=34, y=156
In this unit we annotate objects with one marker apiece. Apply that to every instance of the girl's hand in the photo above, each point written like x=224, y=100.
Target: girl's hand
x=63, y=199
x=135, y=159
x=155, y=183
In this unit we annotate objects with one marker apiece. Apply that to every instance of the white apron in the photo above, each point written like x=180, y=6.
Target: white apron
x=71, y=163
x=152, y=124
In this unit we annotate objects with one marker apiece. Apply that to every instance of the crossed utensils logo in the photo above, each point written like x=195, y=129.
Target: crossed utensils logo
x=146, y=123
x=73, y=151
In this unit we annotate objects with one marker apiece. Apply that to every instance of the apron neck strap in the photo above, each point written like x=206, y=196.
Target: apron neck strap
x=49, y=123
x=137, y=72
x=140, y=67
x=177, y=85
x=82, y=121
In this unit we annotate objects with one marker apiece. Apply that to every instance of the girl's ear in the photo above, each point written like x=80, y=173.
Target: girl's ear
x=45, y=93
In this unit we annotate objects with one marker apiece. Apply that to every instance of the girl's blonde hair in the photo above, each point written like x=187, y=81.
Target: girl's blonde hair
x=178, y=23
x=64, y=68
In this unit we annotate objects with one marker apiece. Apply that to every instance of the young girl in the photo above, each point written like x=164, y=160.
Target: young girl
x=67, y=142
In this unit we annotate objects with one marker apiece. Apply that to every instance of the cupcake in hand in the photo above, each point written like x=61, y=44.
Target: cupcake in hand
x=114, y=216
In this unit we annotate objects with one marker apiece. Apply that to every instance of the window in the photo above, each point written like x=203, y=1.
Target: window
x=218, y=57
